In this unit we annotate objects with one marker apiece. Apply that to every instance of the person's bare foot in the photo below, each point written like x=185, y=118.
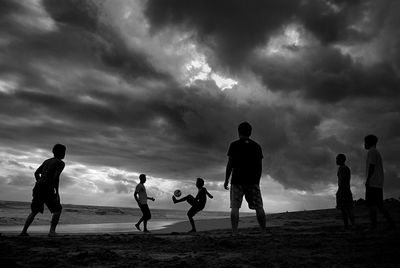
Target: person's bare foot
x=24, y=234
x=52, y=234
x=192, y=231
x=146, y=231
x=138, y=227
x=235, y=233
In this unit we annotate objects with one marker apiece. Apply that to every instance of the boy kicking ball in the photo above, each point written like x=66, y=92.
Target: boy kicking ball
x=198, y=203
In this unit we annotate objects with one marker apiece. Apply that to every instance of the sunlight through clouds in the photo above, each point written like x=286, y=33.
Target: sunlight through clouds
x=198, y=69
x=287, y=42
x=7, y=86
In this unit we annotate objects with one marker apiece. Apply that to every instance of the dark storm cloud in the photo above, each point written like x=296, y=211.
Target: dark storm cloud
x=78, y=13
x=78, y=40
x=82, y=85
x=231, y=28
x=234, y=29
x=326, y=75
x=330, y=25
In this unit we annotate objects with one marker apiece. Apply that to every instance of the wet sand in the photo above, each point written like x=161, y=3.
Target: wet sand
x=297, y=239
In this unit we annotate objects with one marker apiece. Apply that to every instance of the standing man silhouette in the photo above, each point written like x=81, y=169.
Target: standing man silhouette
x=245, y=165
x=141, y=198
x=374, y=182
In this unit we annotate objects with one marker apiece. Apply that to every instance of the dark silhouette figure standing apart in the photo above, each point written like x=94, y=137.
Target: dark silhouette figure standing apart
x=141, y=198
x=198, y=203
x=374, y=182
x=46, y=191
x=344, y=197
x=245, y=165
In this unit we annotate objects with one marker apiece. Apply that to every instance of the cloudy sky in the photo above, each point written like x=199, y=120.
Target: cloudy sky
x=159, y=87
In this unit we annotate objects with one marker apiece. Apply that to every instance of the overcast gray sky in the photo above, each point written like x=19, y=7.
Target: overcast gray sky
x=159, y=87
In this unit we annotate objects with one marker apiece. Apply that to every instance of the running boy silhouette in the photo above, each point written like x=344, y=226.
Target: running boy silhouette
x=141, y=198
x=374, y=182
x=198, y=203
x=46, y=191
x=344, y=197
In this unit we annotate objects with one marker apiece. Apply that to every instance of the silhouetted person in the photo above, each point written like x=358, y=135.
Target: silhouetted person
x=46, y=191
x=245, y=165
x=198, y=203
x=344, y=197
x=141, y=198
x=374, y=182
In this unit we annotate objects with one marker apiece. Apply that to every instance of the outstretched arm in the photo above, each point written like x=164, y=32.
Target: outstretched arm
x=209, y=195
x=151, y=198
x=228, y=173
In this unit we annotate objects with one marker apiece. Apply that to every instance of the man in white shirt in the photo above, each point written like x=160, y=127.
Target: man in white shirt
x=374, y=182
x=141, y=198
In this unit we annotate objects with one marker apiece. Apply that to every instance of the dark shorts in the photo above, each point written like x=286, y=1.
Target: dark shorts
x=251, y=193
x=146, y=211
x=43, y=194
x=374, y=196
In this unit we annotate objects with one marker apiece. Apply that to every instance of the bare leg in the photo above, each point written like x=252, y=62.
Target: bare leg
x=261, y=218
x=145, y=226
x=235, y=220
x=54, y=221
x=189, y=198
x=147, y=217
x=350, y=215
x=344, y=217
x=28, y=222
x=137, y=225
x=139, y=222
x=192, y=223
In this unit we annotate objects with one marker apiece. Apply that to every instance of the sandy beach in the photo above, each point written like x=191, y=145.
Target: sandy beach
x=294, y=239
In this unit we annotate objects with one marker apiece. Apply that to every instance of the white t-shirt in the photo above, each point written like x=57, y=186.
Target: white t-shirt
x=141, y=190
x=374, y=158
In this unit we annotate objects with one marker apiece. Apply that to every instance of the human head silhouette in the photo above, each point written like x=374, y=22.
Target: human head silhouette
x=340, y=159
x=244, y=130
x=142, y=178
x=370, y=141
x=199, y=182
x=59, y=151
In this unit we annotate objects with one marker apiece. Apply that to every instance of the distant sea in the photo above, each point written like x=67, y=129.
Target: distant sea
x=92, y=219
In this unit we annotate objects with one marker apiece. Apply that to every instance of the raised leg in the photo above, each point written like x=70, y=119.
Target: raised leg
x=189, y=198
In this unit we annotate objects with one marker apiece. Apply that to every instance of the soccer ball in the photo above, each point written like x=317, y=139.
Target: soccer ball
x=177, y=193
